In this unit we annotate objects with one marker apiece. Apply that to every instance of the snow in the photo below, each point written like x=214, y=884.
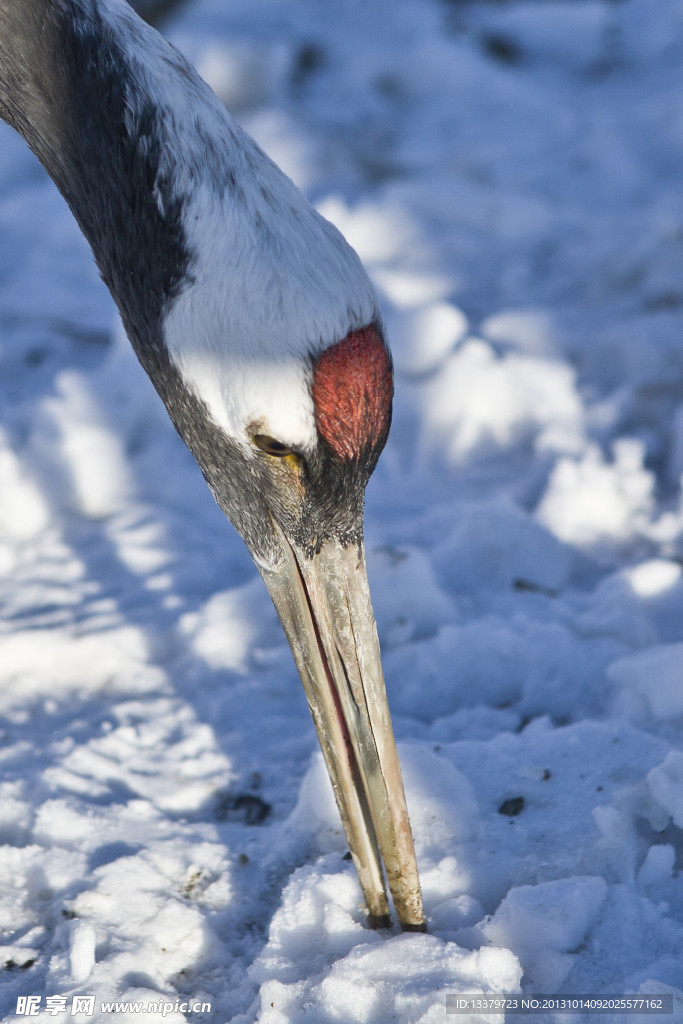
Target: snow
x=656, y=675
x=511, y=176
x=665, y=781
x=541, y=923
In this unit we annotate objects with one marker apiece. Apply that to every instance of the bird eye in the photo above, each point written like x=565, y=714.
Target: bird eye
x=272, y=447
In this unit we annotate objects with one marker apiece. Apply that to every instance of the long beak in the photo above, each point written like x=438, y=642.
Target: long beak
x=324, y=606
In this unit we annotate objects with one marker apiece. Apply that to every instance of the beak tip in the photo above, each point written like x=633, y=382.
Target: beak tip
x=421, y=927
x=377, y=921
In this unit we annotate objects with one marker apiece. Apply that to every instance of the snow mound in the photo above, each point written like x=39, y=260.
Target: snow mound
x=542, y=923
x=320, y=959
x=478, y=399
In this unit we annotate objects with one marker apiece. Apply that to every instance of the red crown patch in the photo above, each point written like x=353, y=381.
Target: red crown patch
x=352, y=392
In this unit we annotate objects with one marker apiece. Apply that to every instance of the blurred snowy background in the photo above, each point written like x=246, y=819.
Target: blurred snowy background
x=512, y=175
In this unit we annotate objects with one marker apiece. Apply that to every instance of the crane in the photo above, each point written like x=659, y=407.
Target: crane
x=260, y=330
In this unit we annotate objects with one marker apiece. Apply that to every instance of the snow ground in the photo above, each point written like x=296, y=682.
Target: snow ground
x=512, y=175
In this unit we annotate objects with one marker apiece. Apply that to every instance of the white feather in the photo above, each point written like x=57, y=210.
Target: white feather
x=273, y=282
